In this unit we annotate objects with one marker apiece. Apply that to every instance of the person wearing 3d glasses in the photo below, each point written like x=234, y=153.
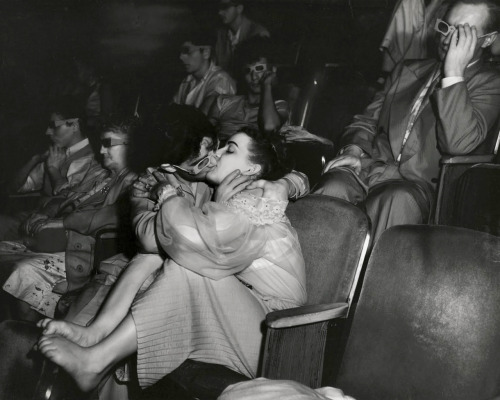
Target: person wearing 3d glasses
x=237, y=29
x=68, y=169
x=39, y=279
x=205, y=80
x=389, y=157
x=255, y=106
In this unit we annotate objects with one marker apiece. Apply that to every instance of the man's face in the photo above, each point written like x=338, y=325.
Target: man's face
x=228, y=12
x=194, y=57
x=207, y=147
x=253, y=74
x=473, y=14
x=61, y=131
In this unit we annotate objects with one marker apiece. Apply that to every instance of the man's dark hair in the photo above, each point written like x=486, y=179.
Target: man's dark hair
x=250, y=52
x=182, y=129
x=69, y=107
x=492, y=24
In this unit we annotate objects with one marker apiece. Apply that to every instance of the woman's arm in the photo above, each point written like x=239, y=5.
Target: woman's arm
x=214, y=242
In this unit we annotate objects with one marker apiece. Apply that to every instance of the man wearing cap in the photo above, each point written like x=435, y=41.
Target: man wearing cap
x=389, y=159
x=205, y=80
x=237, y=29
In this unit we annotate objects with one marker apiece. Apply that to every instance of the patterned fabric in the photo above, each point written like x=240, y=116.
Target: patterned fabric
x=260, y=211
x=38, y=272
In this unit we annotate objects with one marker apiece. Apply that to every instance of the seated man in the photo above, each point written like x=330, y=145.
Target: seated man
x=205, y=80
x=237, y=29
x=390, y=156
x=66, y=170
x=255, y=108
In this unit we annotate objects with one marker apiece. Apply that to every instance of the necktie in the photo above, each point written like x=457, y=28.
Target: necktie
x=417, y=106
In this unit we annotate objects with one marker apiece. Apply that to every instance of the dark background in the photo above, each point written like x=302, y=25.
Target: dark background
x=134, y=46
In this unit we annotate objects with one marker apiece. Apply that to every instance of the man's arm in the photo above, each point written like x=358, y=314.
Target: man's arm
x=466, y=110
x=269, y=118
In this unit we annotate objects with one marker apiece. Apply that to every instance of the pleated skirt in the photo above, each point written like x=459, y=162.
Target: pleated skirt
x=186, y=316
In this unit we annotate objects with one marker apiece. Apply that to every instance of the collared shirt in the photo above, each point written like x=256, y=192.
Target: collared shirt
x=76, y=147
x=35, y=179
x=234, y=39
x=193, y=92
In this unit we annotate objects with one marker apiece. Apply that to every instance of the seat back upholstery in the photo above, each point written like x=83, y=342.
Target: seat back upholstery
x=427, y=325
x=334, y=237
x=478, y=199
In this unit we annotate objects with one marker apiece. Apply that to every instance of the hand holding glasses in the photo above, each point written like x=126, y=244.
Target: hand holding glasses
x=445, y=29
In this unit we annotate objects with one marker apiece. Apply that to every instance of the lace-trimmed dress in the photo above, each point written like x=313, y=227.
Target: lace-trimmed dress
x=231, y=265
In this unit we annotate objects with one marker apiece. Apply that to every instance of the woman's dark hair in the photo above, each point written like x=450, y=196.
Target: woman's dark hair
x=268, y=151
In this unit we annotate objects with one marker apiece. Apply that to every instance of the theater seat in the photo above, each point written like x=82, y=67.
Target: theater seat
x=477, y=204
x=427, y=325
x=452, y=168
x=334, y=237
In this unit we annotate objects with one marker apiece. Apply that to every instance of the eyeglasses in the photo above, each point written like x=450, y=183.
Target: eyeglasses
x=61, y=122
x=188, y=50
x=255, y=68
x=110, y=142
x=445, y=29
x=208, y=161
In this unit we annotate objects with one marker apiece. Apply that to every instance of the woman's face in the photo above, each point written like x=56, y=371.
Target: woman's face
x=114, y=151
x=234, y=155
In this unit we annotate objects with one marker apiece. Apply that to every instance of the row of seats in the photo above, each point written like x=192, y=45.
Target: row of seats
x=426, y=318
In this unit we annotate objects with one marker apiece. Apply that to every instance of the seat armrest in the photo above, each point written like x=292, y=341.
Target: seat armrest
x=306, y=315
x=107, y=233
x=472, y=159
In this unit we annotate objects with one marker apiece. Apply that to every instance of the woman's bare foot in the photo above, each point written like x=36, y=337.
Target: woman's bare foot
x=82, y=364
x=81, y=335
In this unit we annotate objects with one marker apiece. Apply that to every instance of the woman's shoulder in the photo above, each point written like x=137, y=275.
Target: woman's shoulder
x=259, y=210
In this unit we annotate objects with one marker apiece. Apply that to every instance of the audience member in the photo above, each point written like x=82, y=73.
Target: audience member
x=39, y=279
x=390, y=156
x=205, y=310
x=256, y=107
x=65, y=171
x=205, y=80
x=237, y=29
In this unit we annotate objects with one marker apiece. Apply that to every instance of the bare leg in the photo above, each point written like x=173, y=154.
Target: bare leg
x=89, y=365
x=114, y=309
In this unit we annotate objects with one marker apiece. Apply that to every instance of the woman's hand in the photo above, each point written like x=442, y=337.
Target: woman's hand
x=27, y=225
x=56, y=157
x=46, y=224
x=232, y=184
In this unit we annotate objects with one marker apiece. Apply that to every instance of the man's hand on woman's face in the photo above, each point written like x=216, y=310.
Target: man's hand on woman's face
x=232, y=184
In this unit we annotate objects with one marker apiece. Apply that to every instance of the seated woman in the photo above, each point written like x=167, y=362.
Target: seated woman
x=230, y=265
x=40, y=278
x=255, y=108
